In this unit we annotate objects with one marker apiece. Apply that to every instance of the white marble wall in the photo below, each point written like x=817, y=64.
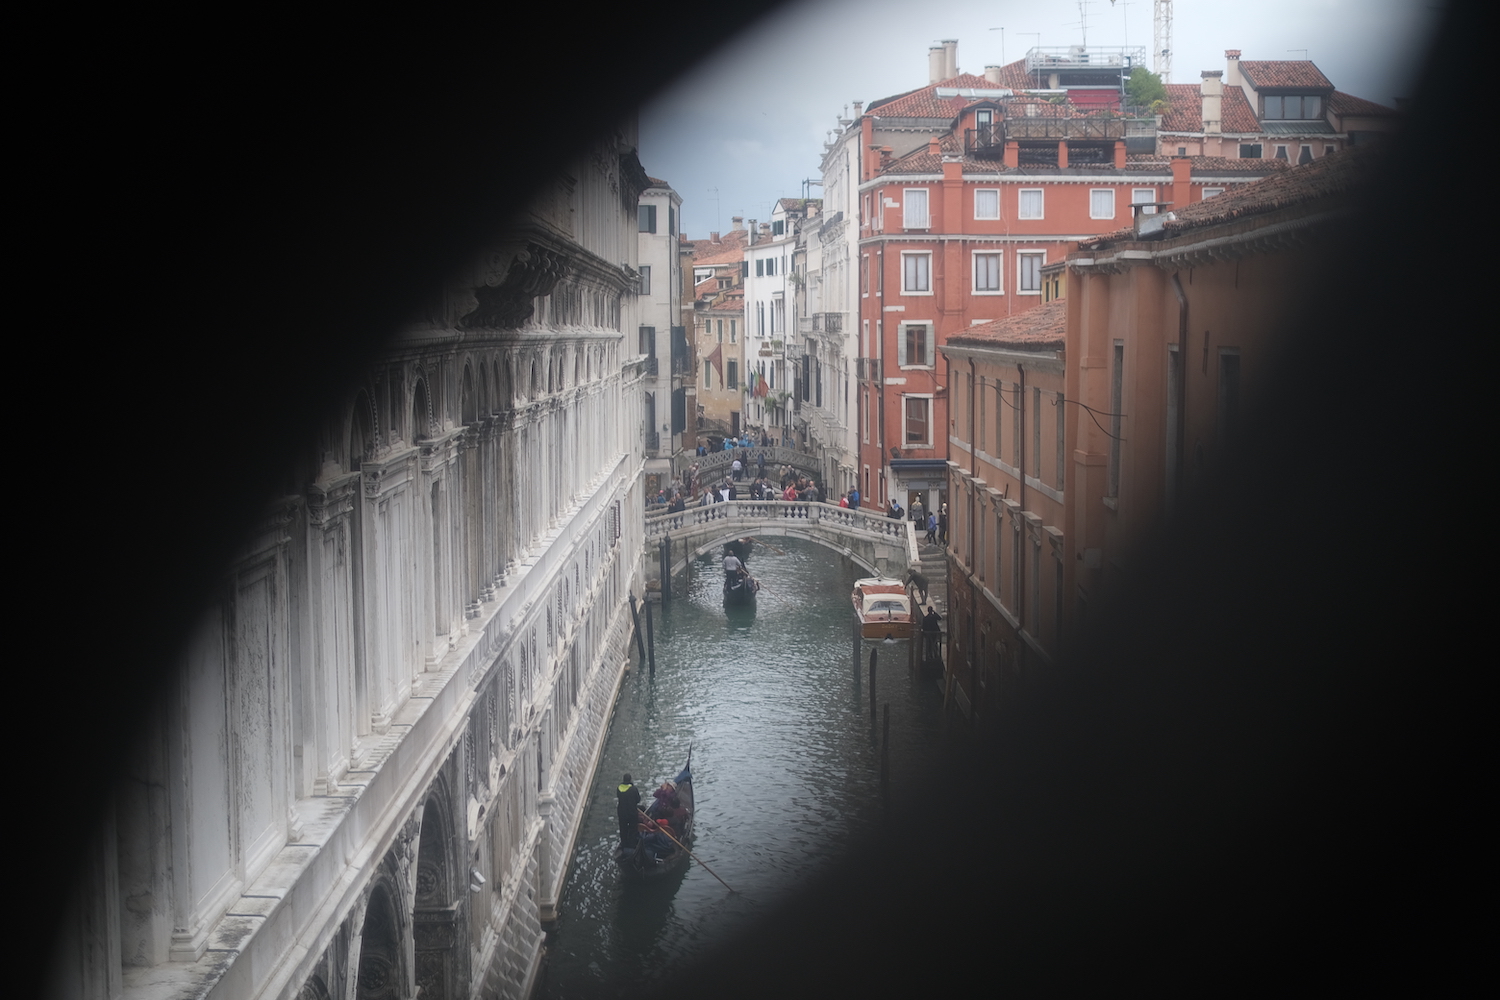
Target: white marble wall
x=406, y=676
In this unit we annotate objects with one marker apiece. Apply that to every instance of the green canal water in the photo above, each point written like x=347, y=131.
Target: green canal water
x=786, y=766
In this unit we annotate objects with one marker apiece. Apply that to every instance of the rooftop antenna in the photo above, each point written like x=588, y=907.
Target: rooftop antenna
x=1083, y=19
x=1002, y=41
x=1303, y=51
x=718, y=219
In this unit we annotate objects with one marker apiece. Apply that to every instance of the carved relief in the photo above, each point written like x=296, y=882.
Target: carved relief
x=508, y=303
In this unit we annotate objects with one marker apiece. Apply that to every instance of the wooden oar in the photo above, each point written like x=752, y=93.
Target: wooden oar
x=668, y=834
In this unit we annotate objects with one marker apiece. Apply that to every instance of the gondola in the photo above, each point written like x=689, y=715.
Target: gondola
x=654, y=854
x=740, y=589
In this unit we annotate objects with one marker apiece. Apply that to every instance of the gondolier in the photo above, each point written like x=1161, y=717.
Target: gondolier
x=629, y=802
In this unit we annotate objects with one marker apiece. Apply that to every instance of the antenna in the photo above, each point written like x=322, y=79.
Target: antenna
x=1002, y=41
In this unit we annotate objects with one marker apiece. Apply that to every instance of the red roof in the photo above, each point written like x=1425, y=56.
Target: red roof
x=925, y=103
x=1341, y=103
x=1186, y=110
x=729, y=249
x=1326, y=176
x=1284, y=73
x=1039, y=329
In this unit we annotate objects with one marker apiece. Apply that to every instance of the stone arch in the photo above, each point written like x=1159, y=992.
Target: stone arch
x=536, y=381
x=550, y=383
x=421, y=414
x=361, y=431
x=507, y=385
x=468, y=401
x=483, y=381
x=381, y=973
x=437, y=925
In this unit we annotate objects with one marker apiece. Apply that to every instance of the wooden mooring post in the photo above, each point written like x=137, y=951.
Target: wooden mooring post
x=650, y=641
x=635, y=615
x=885, y=749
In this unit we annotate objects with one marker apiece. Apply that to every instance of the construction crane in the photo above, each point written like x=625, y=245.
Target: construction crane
x=1161, y=39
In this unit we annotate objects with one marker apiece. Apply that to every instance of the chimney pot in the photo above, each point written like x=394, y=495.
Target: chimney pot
x=713, y=237
x=736, y=222
x=992, y=75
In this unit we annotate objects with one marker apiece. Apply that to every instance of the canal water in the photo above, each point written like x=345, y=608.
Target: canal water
x=786, y=766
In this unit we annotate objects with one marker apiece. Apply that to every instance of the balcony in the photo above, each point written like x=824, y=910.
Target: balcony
x=650, y=367
x=829, y=322
x=653, y=442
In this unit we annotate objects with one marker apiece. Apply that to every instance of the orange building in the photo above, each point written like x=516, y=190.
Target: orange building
x=1080, y=427
x=958, y=231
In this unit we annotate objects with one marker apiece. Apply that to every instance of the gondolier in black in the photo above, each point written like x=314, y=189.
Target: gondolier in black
x=630, y=802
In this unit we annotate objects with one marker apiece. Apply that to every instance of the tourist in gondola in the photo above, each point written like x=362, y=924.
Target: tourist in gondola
x=626, y=809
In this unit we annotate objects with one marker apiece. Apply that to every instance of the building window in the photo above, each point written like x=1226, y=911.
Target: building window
x=1181, y=150
x=914, y=209
x=1305, y=156
x=1229, y=395
x=760, y=268
x=721, y=331
x=770, y=267
x=1144, y=196
x=1102, y=203
x=732, y=330
x=672, y=221
x=987, y=274
x=648, y=218
x=1327, y=150
x=1029, y=271
x=1212, y=193
x=778, y=227
x=1031, y=203
x=916, y=273
x=707, y=379
x=1116, y=397
x=1281, y=153
x=917, y=347
x=645, y=279
x=918, y=421
x=987, y=203
x=733, y=377
x=1250, y=150
x=760, y=319
x=1293, y=107
x=647, y=340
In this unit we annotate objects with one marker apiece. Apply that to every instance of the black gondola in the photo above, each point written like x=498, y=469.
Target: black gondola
x=740, y=588
x=655, y=853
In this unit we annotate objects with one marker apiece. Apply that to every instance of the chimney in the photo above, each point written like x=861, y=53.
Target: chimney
x=750, y=234
x=859, y=108
x=713, y=237
x=934, y=146
x=737, y=222
x=992, y=74
x=950, y=58
x=1232, y=73
x=935, y=62
x=1212, y=90
x=1182, y=182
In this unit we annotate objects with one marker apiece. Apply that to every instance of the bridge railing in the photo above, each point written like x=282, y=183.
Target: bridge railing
x=715, y=464
x=901, y=531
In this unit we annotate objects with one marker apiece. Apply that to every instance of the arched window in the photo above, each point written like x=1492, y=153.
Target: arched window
x=419, y=421
x=361, y=432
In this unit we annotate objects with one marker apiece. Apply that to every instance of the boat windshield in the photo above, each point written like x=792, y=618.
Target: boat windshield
x=884, y=606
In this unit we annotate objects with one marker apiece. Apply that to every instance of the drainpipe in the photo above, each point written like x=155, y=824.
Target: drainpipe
x=1021, y=498
x=973, y=513
x=1182, y=370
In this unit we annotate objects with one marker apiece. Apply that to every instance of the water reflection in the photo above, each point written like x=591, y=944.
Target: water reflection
x=785, y=766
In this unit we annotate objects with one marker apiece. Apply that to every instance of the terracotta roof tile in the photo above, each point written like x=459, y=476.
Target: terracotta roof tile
x=729, y=249
x=1039, y=329
x=1186, y=110
x=1326, y=176
x=1341, y=103
x=1284, y=73
x=925, y=103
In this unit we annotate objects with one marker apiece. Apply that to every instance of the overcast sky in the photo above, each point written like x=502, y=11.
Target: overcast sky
x=748, y=127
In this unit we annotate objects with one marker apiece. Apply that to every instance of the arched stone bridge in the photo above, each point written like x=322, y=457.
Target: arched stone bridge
x=716, y=465
x=879, y=544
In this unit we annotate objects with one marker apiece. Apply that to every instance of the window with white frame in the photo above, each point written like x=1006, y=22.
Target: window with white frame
x=1144, y=196
x=987, y=273
x=918, y=349
x=1029, y=271
x=916, y=273
x=1212, y=192
x=1030, y=206
x=1102, y=203
x=918, y=420
x=646, y=278
x=914, y=209
x=987, y=203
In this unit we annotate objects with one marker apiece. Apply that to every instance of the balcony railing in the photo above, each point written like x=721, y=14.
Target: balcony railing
x=651, y=366
x=653, y=441
x=1068, y=57
x=829, y=322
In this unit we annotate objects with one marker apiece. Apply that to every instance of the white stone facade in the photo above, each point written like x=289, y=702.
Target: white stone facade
x=367, y=777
